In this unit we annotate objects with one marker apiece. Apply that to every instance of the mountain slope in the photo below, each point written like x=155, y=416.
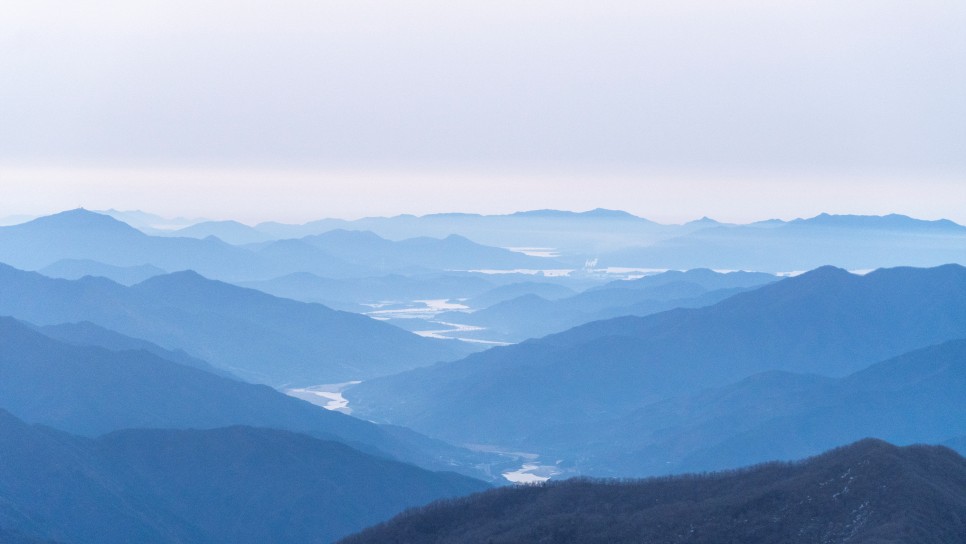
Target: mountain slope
x=90, y=390
x=52, y=489
x=918, y=397
x=826, y=322
x=293, y=256
x=231, y=485
x=853, y=242
x=253, y=335
x=869, y=492
x=89, y=334
x=531, y=316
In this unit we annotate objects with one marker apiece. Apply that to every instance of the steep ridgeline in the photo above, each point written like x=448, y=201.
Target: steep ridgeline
x=91, y=390
x=229, y=485
x=532, y=316
x=867, y=493
x=825, y=322
x=849, y=241
x=918, y=397
x=258, y=337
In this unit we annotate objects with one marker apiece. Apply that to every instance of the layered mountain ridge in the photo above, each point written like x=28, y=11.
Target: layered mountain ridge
x=254, y=335
x=827, y=321
x=236, y=484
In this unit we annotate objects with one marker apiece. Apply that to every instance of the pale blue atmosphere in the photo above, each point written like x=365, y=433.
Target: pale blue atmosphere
x=294, y=110
x=437, y=272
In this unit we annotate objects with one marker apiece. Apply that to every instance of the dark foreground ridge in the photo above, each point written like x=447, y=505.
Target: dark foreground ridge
x=868, y=492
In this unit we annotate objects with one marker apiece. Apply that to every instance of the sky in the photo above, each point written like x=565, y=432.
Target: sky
x=295, y=110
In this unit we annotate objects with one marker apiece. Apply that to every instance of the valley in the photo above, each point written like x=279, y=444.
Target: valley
x=445, y=358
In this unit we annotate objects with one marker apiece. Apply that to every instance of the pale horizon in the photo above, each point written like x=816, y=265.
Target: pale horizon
x=293, y=196
x=293, y=110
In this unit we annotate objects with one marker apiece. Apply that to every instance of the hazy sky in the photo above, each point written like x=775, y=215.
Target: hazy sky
x=293, y=110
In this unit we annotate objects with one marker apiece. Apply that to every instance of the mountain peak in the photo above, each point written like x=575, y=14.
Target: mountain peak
x=81, y=218
x=817, y=278
x=827, y=271
x=705, y=220
x=862, y=447
x=181, y=277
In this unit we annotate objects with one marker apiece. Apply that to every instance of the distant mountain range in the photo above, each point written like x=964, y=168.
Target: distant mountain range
x=253, y=335
x=868, y=492
x=578, y=232
x=827, y=322
x=619, y=239
x=599, y=239
x=81, y=235
x=69, y=242
x=229, y=485
x=893, y=222
x=847, y=241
